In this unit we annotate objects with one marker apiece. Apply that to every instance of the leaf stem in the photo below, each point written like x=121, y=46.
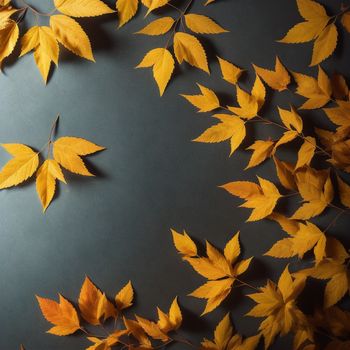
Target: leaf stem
x=53, y=128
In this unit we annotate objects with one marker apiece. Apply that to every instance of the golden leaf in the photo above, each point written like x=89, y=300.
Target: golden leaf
x=229, y=71
x=82, y=8
x=188, y=48
x=225, y=339
x=152, y=329
x=345, y=20
x=67, y=152
x=306, y=152
x=206, y=101
x=46, y=181
x=339, y=86
x=285, y=174
x=62, y=315
x=325, y=44
x=93, y=304
x=21, y=167
x=124, y=297
x=277, y=304
x=318, y=92
x=231, y=127
x=9, y=33
x=70, y=34
x=344, y=192
x=261, y=150
x=184, y=244
x=43, y=41
x=202, y=24
x=163, y=63
x=291, y=119
x=126, y=10
x=154, y=4
x=262, y=199
x=317, y=191
x=159, y=26
x=278, y=79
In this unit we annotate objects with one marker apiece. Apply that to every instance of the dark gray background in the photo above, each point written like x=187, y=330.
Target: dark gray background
x=115, y=227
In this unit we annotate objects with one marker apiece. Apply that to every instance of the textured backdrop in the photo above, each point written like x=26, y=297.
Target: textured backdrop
x=115, y=227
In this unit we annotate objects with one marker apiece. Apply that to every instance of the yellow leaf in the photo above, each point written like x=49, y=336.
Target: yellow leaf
x=282, y=249
x=232, y=249
x=124, y=297
x=206, y=101
x=317, y=91
x=93, y=304
x=67, y=152
x=62, y=315
x=287, y=136
x=285, y=174
x=21, y=167
x=70, y=34
x=278, y=79
x=339, y=86
x=259, y=91
x=305, y=31
x=223, y=332
x=325, y=44
x=335, y=289
x=163, y=63
x=154, y=4
x=175, y=315
x=262, y=199
x=212, y=289
x=261, y=150
x=188, y=48
x=137, y=332
x=8, y=38
x=152, y=329
x=46, y=181
x=344, y=192
x=291, y=119
x=306, y=152
x=229, y=71
x=231, y=127
x=345, y=21
x=184, y=244
x=202, y=24
x=126, y=10
x=82, y=8
x=310, y=9
x=206, y=268
x=157, y=27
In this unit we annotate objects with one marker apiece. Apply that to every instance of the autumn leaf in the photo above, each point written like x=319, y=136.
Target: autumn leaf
x=339, y=86
x=315, y=187
x=291, y=119
x=93, y=304
x=67, y=152
x=224, y=338
x=184, y=244
x=163, y=63
x=285, y=173
x=70, y=34
x=205, y=102
x=46, y=181
x=202, y=24
x=188, y=48
x=230, y=128
x=308, y=237
x=344, y=192
x=62, y=315
x=44, y=43
x=277, y=303
x=82, y=8
x=124, y=298
x=21, y=167
x=9, y=33
x=261, y=151
x=159, y=26
x=345, y=21
x=154, y=4
x=126, y=10
x=318, y=92
x=221, y=270
x=249, y=104
x=315, y=27
x=278, y=79
x=261, y=198
x=306, y=152
x=335, y=271
x=230, y=72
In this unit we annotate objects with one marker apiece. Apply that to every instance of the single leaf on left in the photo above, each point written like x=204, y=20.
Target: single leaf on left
x=9, y=34
x=21, y=167
x=62, y=315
